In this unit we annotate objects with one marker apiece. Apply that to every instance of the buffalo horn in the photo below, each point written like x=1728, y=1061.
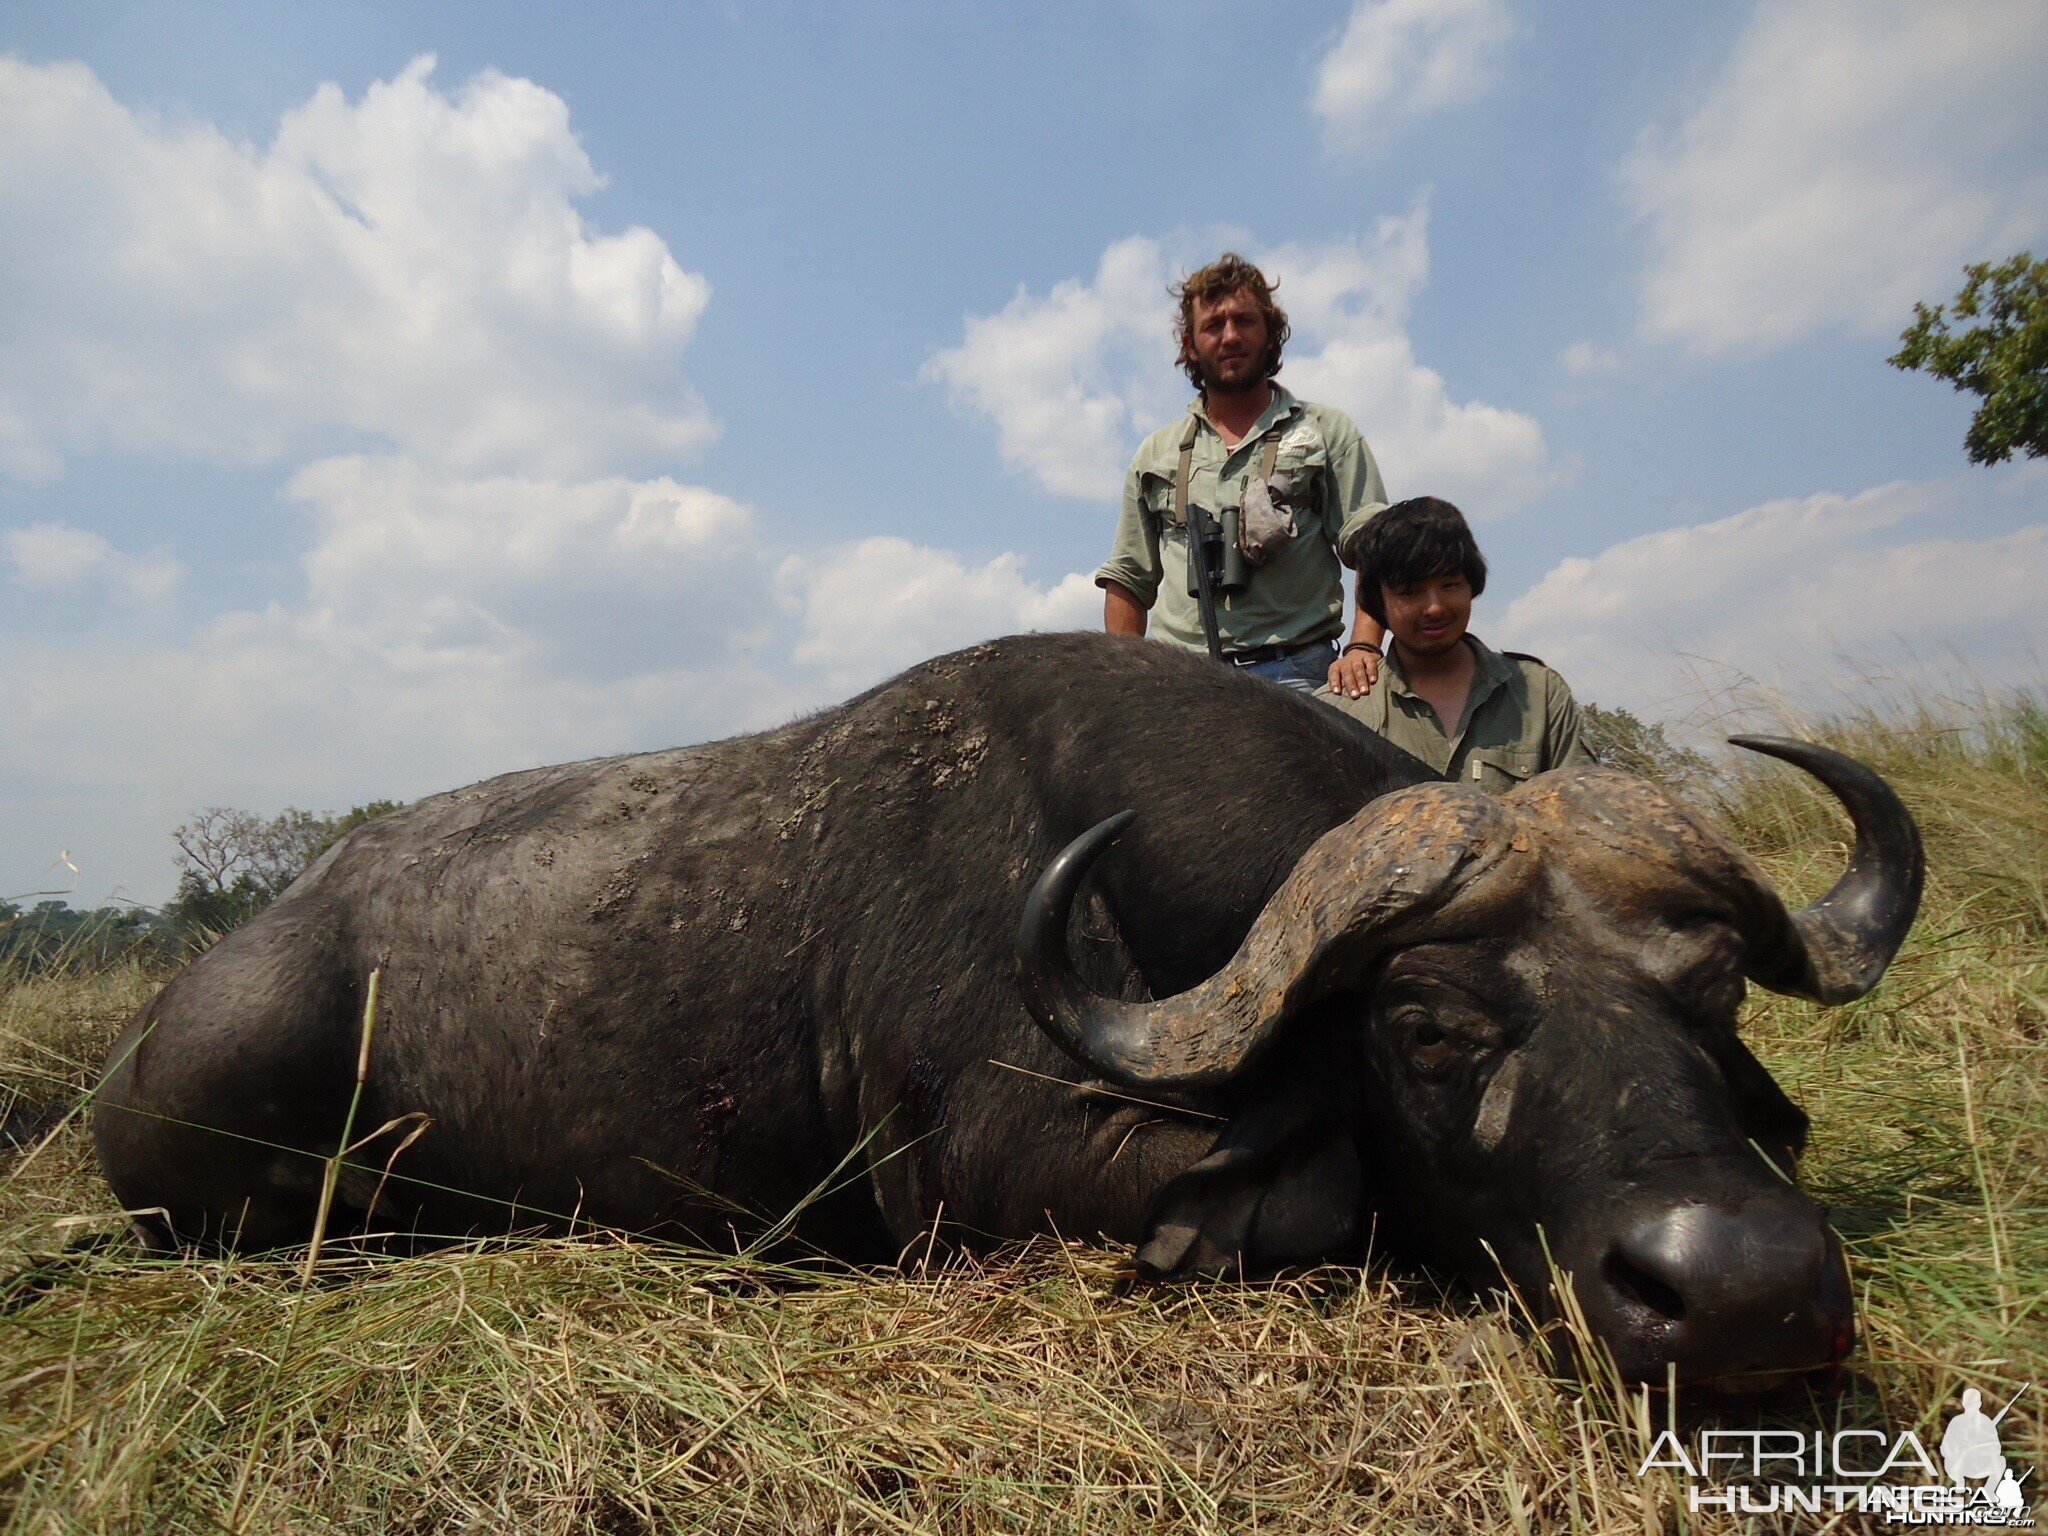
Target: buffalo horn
x=1399, y=858
x=1835, y=950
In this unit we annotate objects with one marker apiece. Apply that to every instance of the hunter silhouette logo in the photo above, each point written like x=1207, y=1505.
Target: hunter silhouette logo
x=1768, y=1471
x=1970, y=1452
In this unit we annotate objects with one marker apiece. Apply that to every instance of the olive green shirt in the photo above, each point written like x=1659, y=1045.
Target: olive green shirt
x=1296, y=596
x=1520, y=719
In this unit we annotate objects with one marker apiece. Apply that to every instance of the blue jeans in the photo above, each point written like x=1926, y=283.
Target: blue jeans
x=1305, y=671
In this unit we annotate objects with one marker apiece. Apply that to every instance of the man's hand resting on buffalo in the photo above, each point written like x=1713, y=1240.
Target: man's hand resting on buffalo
x=1354, y=672
x=1357, y=666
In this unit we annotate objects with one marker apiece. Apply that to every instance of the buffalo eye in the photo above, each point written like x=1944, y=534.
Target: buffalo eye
x=1430, y=1049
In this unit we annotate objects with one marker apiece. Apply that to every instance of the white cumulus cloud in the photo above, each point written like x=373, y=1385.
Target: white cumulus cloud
x=477, y=398
x=113, y=742
x=409, y=267
x=1848, y=158
x=57, y=555
x=587, y=578
x=1067, y=378
x=1403, y=59
x=871, y=608
x=1886, y=582
x=1073, y=379
x=1586, y=359
x=457, y=628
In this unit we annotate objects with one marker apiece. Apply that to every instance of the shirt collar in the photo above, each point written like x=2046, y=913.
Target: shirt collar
x=1492, y=670
x=1492, y=665
x=1278, y=409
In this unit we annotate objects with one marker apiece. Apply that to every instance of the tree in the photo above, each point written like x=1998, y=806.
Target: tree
x=53, y=935
x=206, y=911
x=337, y=827
x=233, y=863
x=221, y=847
x=1618, y=739
x=2004, y=360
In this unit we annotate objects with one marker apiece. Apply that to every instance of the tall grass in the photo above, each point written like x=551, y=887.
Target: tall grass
x=601, y=1385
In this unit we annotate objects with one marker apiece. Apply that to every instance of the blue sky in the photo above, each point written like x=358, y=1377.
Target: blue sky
x=390, y=396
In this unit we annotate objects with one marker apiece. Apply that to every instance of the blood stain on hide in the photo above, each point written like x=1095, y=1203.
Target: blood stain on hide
x=714, y=1112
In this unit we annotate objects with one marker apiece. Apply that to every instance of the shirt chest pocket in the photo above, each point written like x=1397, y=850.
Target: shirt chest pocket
x=1499, y=769
x=1207, y=489
x=1302, y=470
x=1156, y=491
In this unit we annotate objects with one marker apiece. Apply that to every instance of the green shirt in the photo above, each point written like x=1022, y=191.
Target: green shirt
x=1520, y=719
x=1296, y=596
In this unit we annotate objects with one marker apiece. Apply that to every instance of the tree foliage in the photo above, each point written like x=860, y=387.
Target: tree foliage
x=231, y=865
x=1617, y=738
x=52, y=935
x=234, y=863
x=2003, y=359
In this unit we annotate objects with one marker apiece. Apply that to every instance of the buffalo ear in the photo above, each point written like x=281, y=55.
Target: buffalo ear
x=1281, y=1186
x=1759, y=1101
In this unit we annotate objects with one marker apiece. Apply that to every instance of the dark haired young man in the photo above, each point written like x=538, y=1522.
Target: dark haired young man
x=1474, y=714
x=1298, y=476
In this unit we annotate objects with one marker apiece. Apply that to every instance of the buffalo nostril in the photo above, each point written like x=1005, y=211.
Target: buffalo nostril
x=1727, y=1291
x=1638, y=1285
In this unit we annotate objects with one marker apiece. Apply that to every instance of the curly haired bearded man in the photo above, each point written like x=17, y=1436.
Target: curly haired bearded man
x=1298, y=476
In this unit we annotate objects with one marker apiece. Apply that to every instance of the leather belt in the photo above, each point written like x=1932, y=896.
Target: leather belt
x=1260, y=654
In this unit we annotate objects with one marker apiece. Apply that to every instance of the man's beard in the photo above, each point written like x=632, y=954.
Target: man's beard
x=1251, y=378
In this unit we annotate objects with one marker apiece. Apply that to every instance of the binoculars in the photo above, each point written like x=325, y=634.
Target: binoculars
x=1219, y=548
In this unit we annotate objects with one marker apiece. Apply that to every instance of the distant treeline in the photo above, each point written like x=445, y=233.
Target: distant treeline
x=231, y=865
x=51, y=933
x=234, y=863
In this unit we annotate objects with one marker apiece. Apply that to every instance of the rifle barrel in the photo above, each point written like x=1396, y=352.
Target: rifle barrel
x=1203, y=539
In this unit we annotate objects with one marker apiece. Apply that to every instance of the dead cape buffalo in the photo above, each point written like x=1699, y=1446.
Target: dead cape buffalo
x=674, y=992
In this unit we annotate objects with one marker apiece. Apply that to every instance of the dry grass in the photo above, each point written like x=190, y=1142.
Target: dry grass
x=590, y=1386
x=602, y=1386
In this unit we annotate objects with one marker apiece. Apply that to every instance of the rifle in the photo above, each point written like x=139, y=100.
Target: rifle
x=1217, y=566
x=1214, y=560
x=1205, y=554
